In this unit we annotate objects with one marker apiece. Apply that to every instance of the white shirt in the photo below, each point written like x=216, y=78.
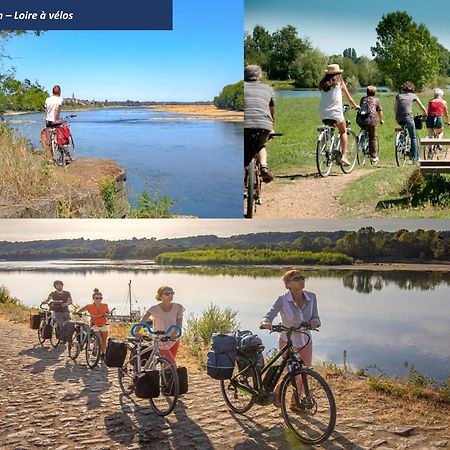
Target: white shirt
x=50, y=106
x=293, y=316
x=162, y=320
x=331, y=104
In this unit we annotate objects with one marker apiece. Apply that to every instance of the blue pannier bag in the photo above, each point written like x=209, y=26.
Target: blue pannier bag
x=222, y=357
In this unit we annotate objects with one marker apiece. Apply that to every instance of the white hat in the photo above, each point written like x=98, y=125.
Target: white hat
x=333, y=69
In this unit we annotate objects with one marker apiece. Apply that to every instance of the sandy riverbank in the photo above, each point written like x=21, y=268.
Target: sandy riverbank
x=200, y=112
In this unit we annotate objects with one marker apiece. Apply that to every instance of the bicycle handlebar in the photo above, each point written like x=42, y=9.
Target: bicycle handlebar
x=151, y=331
x=304, y=326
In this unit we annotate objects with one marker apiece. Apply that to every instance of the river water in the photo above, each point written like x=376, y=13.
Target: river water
x=198, y=163
x=378, y=317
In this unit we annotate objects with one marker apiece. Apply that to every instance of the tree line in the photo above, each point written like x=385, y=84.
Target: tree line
x=231, y=97
x=366, y=244
x=404, y=50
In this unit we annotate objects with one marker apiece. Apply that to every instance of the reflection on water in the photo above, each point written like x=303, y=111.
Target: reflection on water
x=185, y=159
x=381, y=317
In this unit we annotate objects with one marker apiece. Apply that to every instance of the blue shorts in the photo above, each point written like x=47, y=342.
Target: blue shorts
x=434, y=122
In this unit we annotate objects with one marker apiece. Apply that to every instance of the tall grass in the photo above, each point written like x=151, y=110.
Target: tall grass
x=23, y=175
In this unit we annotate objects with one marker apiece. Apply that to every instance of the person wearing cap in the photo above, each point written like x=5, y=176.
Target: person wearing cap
x=331, y=87
x=296, y=307
x=163, y=315
x=403, y=109
x=259, y=116
x=437, y=107
x=59, y=301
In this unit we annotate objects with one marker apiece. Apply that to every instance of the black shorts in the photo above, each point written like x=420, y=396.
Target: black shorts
x=434, y=122
x=50, y=124
x=254, y=141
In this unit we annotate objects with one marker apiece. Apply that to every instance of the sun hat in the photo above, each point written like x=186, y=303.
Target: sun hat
x=333, y=69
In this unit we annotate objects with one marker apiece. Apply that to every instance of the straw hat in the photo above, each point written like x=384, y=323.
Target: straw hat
x=333, y=69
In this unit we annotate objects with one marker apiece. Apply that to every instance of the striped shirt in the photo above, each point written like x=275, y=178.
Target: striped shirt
x=257, y=99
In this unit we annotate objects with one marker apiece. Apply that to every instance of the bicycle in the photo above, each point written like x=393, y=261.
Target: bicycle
x=328, y=147
x=402, y=146
x=60, y=141
x=48, y=319
x=85, y=339
x=363, y=147
x=147, y=359
x=435, y=151
x=312, y=415
x=253, y=183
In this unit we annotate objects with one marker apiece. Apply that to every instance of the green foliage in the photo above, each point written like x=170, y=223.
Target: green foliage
x=231, y=97
x=308, y=68
x=152, y=207
x=108, y=193
x=351, y=54
x=353, y=83
x=428, y=188
x=406, y=51
x=5, y=296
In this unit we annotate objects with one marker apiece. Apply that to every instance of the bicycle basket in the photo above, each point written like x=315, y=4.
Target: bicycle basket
x=418, y=122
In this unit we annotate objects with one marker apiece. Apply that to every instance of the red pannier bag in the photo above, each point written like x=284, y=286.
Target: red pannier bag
x=62, y=135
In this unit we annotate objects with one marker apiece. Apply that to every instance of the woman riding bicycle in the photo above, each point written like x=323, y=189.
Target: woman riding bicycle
x=437, y=107
x=296, y=307
x=163, y=315
x=404, y=113
x=331, y=88
x=372, y=106
x=100, y=316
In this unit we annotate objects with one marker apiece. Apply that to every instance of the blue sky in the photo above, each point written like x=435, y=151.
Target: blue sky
x=334, y=26
x=203, y=53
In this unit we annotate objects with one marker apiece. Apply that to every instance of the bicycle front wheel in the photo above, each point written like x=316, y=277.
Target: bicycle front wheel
x=56, y=334
x=362, y=142
x=323, y=156
x=400, y=149
x=127, y=374
x=168, y=387
x=40, y=332
x=234, y=390
x=74, y=347
x=308, y=406
x=92, y=349
x=251, y=176
x=352, y=152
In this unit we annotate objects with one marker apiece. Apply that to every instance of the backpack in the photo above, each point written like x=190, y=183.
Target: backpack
x=62, y=135
x=116, y=352
x=362, y=116
x=248, y=343
x=35, y=321
x=222, y=357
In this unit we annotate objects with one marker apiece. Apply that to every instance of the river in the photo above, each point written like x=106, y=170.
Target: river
x=385, y=318
x=198, y=163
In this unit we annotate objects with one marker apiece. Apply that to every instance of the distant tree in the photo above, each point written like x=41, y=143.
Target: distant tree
x=405, y=50
x=257, y=47
x=231, y=97
x=308, y=68
x=351, y=54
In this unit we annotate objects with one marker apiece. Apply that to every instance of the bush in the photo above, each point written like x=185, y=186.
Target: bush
x=5, y=297
x=231, y=97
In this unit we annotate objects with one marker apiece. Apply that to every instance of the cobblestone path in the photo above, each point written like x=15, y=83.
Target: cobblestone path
x=48, y=401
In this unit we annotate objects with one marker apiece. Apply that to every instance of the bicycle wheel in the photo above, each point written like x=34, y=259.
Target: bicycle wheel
x=56, y=334
x=323, y=156
x=313, y=417
x=251, y=174
x=74, y=347
x=70, y=149
x=93, y=348
x=40, y=332
x=127, y=375
x=377, y=151
x=352, y=152
x=233, y=390
x=168, y=387
x=400, y=149
x=362, y=142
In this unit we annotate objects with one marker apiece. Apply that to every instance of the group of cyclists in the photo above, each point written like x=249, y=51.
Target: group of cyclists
x=259, y=114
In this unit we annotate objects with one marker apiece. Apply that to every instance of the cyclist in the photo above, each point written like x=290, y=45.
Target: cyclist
x=295, y=307
x=53, y=108
x=372, y=107
x=331, y=88
x=59, y=301
x=437, y=107
x=404, y=113
x=100, y=315
x=259, y=115
x=164, y=315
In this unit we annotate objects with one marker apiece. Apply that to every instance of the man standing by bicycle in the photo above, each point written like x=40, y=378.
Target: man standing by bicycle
x=259, y=115
x=53, y=108
x=59, y=302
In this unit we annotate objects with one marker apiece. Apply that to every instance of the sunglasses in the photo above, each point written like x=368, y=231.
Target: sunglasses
x=98, y=298
x=168, y=293
x=297, y=278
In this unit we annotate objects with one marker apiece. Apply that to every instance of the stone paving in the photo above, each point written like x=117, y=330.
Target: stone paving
x=50, y=402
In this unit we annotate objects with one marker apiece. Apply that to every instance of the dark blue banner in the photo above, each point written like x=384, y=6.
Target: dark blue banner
x=85, y=15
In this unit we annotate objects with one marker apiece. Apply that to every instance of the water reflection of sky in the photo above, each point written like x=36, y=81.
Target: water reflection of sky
x=185, y=159
x=384, y=327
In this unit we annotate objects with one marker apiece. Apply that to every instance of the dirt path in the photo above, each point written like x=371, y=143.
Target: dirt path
x=305, y=197
x=50, y=402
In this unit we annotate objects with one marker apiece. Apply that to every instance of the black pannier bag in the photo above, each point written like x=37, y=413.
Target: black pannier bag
x=116, y=352
x=418, y=122
x=35, y=321
x=182, y=381
x=47, y=331
x=222, y=357
x=68, y=329
x=144, y=357
x=146, y=384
